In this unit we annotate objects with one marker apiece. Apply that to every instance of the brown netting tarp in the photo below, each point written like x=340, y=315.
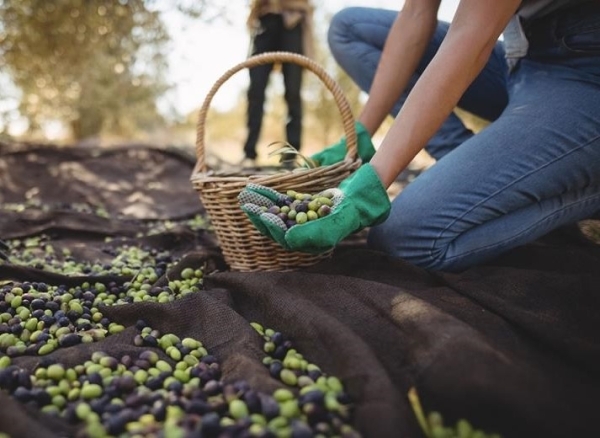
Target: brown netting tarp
x=513, y=346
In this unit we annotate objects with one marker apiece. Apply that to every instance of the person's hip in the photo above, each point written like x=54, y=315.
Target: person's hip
x=570, y=36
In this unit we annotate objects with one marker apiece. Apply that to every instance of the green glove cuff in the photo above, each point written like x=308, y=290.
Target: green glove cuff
x=362, y=202
x=369, y=197
x=337, y=152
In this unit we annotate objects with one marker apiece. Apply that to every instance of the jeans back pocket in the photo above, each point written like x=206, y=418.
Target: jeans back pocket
x=578, y=30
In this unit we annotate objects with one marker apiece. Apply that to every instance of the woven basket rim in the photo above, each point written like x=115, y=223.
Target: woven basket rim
x=270, y=58
x=264, y=178
x=243, y=247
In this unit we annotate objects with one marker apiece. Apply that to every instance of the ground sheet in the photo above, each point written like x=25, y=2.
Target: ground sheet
x=512, y=346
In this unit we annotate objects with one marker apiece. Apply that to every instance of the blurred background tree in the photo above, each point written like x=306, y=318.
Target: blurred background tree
x=95, y=65
x=323, y=113
x=101, y=72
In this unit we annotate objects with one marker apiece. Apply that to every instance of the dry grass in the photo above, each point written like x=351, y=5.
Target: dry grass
x=590, y=228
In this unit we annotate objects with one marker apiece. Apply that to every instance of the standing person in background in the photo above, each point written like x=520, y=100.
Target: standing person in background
x=277, y=25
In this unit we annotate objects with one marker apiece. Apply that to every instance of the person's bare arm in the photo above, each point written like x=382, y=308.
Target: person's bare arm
x=464, y=52
x=405, y=45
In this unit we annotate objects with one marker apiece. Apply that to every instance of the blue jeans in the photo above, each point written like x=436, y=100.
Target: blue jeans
x=536, y=167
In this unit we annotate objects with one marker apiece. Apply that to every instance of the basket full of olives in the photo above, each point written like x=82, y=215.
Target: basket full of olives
x=243, y=247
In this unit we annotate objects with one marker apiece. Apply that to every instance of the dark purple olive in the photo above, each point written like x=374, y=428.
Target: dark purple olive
x=199, y=407
x=37, y=304
x=53, y=306
x=22, y=394
x=41, y=397
x=277, y=338
x=208, y=359
x=112, y=408
x=324, y=210
x=115, y=424
x=302, y=207
x=275, y=368
x=151, y=341
x=252, y=401
x=269, y=406
x=280, y=352
x=210, y=424
x=159, y=411
x=212, y=387
x=154, y=383
x=301, y=430
x=315, y=397
x=95, y=378
x=69, y=340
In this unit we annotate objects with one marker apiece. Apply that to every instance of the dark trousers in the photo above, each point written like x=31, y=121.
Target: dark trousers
x=275, y=37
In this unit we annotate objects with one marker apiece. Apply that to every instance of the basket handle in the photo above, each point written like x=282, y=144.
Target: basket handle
x=270, y=58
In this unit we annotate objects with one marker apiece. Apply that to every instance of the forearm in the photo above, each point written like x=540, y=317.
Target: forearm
x=460, y=58
x=405, y=45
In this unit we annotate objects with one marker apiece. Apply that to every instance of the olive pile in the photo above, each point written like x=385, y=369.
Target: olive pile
x=195, y=223
x=36, y=318
x=36, y=204
x=322, y=402
x=173, y=387
x=169, y=387
x=38, y=253
x=433, y=425
x=295, y=208
x=144, y=394
x=462, y=428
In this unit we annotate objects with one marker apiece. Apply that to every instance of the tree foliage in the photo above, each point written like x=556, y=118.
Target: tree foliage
x=93, y=64
x=99, y=66
x=321, y=103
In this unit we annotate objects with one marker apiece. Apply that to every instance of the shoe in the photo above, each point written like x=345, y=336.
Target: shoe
x=287, y=160
x=288, y=165
x=247, y=162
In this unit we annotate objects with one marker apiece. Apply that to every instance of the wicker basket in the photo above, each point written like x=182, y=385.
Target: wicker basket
x=243, y=247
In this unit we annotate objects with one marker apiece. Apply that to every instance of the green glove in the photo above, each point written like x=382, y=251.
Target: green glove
x=337, y=152
x=359, y=201
x=256, y=200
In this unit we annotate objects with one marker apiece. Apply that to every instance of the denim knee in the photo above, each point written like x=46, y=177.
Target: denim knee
x=399, y=237
x=408, y=234
x=337, y=34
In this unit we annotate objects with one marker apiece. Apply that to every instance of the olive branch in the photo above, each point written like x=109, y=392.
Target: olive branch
x=286, y=149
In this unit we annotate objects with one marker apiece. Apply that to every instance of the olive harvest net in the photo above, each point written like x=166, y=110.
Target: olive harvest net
x=112, y=258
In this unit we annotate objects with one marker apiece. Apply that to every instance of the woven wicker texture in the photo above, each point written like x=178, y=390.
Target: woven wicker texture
x=244, y=248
